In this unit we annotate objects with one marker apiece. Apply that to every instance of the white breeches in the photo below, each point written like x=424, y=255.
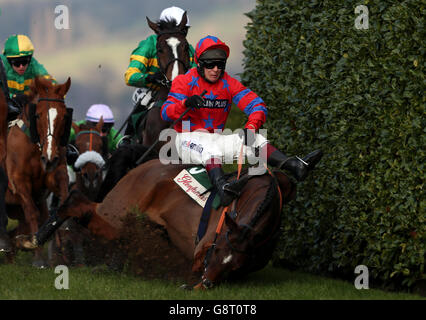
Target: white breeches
x=199, y=147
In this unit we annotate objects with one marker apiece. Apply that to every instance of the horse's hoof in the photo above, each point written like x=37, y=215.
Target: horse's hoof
x=26, y=242
x=199, y=286
x=186, y=287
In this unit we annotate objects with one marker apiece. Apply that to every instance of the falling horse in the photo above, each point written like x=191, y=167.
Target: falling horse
x=243, y=244
x=36, y=161
x=173, y=59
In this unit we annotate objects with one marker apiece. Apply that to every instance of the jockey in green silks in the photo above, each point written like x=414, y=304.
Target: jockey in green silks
x=20, y=70
x=143, y=71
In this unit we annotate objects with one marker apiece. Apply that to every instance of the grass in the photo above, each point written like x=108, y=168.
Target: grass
x=23, y=282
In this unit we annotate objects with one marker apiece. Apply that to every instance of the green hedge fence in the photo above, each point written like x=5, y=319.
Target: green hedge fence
x=359, y=95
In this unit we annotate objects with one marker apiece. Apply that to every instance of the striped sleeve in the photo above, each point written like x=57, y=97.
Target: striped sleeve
x=174, y=106
x=250, y=103
x=143, y=61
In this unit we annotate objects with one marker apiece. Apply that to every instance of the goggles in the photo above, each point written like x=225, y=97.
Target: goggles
x=210, y=64
x=17, y=62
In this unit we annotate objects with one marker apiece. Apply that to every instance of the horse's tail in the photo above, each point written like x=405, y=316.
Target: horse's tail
x=122, y=161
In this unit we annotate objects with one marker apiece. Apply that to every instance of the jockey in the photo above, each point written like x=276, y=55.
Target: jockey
x=93, y=115
x=209, y=148
x=143, y=71
x=20, y=70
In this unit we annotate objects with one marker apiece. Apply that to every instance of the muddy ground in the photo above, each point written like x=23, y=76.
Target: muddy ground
x=144, y=249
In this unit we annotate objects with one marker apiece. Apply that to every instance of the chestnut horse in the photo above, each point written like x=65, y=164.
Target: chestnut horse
x=243, y=244
x=173, y=59
x=4, y=238
x=92, y=153
x=36, y=160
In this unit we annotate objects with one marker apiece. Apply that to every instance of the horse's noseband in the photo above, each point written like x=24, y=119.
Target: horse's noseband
x=51, y=99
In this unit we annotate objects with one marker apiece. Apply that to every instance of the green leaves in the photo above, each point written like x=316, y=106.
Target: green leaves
x=359, y=96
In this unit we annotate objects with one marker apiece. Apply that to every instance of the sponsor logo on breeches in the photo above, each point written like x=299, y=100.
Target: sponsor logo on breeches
x=193, y=146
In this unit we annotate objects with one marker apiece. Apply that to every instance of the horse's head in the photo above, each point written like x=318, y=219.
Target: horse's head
x=50, y=120
x=172, y=46
x=250, y=232
x=89, y=165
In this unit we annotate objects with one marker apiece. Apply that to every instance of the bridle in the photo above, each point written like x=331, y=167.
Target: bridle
x=247, y=228
x=90, y=133
x=273, y=189
x=166, y=82
x=49, y=129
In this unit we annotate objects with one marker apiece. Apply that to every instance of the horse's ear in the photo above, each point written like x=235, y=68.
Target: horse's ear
x=100, y=124
x=182, y=24
x=153, y=26
x=63, y=89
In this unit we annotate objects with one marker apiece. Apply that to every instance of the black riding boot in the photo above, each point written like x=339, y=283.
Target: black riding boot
x=299, y=168
x=223, y=187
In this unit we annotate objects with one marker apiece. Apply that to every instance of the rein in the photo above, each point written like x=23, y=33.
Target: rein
x=166, y=82
x=247, y=227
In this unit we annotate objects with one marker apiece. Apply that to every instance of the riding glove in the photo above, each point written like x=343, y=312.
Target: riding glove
x=156, y=78
x=194, y=101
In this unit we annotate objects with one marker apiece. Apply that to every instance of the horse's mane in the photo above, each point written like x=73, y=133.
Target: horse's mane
x=85, y=126
x=33, y=93
x=167, y=24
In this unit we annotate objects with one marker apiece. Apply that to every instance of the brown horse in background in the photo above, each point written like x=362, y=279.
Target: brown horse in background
x=67, y=246
x=173, y=59
x=36, y=160
x=244, y=243
x=92, y=153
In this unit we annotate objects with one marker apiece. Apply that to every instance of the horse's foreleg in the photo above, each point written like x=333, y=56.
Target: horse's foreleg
x=57, y=182
x=31, y=212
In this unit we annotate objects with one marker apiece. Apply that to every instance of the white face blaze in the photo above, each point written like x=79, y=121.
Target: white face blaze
x=52, y=113
x=173, y=43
